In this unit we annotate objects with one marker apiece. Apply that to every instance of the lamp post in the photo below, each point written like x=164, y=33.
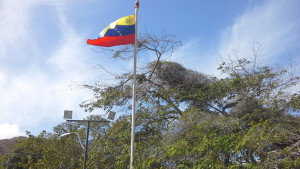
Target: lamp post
x=68, y=115
x=85, y=147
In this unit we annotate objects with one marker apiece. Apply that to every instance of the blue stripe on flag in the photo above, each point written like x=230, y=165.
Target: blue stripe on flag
x=121, y=30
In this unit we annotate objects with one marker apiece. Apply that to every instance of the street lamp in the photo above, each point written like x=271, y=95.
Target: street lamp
x=68, y=115
x=84, y=148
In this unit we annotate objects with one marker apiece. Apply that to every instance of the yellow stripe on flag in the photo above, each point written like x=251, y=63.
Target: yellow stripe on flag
x=127, y=20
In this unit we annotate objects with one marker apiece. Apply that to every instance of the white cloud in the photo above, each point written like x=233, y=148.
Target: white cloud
x=33, y=97
x=13, y=17
x=274, y=24
x=9, y=131
x=36, y=91
x=14, y=22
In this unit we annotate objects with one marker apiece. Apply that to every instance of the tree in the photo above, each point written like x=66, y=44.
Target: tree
x=253, y=101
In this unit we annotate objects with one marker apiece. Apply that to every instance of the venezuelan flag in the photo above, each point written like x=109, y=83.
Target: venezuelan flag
x=120, y=32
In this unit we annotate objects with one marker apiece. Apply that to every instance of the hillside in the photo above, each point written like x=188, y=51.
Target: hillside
x=7, y=145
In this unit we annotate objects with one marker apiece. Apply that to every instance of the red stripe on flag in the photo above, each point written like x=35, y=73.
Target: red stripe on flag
x=108, y=41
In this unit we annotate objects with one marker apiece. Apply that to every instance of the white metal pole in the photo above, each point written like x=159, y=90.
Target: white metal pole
x=133, y=88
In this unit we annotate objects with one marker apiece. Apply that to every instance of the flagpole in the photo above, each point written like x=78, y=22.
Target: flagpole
x=137, y=5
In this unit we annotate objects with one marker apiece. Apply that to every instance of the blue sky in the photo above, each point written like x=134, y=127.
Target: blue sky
x=43, y=50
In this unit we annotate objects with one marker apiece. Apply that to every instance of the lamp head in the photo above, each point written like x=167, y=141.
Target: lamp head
x=64, y=135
